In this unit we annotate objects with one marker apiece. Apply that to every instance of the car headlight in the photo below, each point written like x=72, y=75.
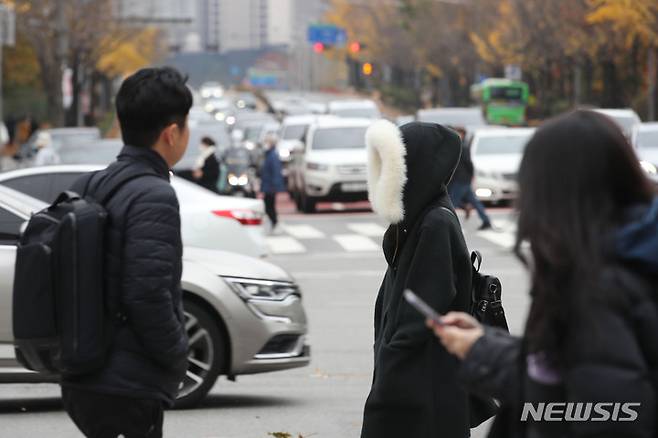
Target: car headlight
x=217, y=93
x=249, y=289
x=206, y=93
x=484, y=193
x=250, y=145
x=209, y=107
x=284, y=154
x=220, y=117
x=243, y=180
x=648, y=167
x=317, y=166
x=230, y=120
x=233, y=180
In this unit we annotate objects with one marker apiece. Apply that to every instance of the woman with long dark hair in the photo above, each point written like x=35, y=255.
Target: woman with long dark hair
x=591, y=218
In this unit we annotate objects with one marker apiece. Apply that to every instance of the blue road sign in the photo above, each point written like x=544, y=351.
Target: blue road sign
x=328, y=34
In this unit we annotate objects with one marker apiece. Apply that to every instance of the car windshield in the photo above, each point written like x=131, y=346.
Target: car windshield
x=252, y=133
x=237, y=157
x=294, y=132
x=340, y=138
x=368, y=113
x=215, y=130
x=510, y=94
x=647, y=139
x=501, y=145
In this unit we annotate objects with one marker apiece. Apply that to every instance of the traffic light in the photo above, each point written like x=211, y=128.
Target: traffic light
x=355, y=47
x=367, y=69
x=318, y=47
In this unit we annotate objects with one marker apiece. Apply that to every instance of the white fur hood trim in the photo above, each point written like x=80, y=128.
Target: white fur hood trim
x=387, y=170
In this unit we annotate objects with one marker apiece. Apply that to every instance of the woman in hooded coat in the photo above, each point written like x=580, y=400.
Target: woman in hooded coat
x=415, y=391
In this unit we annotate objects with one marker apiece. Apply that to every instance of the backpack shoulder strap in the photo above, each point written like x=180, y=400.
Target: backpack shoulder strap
x=119, y=178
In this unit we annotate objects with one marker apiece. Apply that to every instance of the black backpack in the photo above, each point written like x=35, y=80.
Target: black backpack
x=62, y=322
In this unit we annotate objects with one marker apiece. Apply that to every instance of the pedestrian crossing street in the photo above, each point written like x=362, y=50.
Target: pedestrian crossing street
x=363, y=236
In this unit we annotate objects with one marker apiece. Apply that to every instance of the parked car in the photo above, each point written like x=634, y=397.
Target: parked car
x=646, y=146
x=243, y=315
x=362, y=108
x=496, y=155
x=208, y=220
x=454, y=117
x=626, y=119
x=331, y=166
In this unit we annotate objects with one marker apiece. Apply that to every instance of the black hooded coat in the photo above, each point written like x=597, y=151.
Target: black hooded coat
x=415, y=390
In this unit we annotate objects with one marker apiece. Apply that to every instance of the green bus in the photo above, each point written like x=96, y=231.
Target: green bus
x=503, y=101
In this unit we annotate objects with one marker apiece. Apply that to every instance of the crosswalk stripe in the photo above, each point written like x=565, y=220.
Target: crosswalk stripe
x=369, y=229
x=285, y=245
x=506, y=240
x=303, y=232
x=355, y=242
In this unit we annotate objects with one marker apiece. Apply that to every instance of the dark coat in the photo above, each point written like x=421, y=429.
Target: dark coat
x=144, y=267
x=465, y=169
x=210, y=175
x=272, y=174
x=415, y=391
x=612, y=354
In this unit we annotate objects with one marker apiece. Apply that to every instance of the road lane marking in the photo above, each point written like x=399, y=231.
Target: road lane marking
x=369, y=229
x=315, y=275
x=355, y=243
x=284, y=245
x=303, y=232
x=506, y=240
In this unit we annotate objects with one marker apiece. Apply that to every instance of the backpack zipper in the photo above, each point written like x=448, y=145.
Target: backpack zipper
x=74, y=256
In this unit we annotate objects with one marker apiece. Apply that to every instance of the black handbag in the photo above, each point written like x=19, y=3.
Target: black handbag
x=487, y=308
x=486, y=300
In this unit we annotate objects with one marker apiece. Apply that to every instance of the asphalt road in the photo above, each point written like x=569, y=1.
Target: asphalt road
x=335, y=256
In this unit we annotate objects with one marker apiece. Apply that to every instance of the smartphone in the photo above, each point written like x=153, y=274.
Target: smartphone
x=422, y=307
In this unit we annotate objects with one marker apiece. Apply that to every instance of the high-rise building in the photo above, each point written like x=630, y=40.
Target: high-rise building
x=176, y=18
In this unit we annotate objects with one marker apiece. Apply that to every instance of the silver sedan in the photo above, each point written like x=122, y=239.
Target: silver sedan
x=243, y=315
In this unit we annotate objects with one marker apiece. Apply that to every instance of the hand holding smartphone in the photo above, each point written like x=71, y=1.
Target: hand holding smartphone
x=420, y=305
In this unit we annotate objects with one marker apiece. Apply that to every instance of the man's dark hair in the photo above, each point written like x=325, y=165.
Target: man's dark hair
x=149, y=101
x=208, y=141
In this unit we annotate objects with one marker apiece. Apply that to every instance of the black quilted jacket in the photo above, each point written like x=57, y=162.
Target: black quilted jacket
x=144, y=266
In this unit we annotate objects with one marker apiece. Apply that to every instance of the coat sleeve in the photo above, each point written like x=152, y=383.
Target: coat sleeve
x=152, y=239
x=431, y=277
x=492, y=367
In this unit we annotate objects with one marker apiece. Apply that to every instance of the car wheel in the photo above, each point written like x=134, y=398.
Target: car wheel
x=206, y=356
x=308, y=204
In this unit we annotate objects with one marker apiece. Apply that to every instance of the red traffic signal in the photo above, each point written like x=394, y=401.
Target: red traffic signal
x=355, y=47
x=318, y=47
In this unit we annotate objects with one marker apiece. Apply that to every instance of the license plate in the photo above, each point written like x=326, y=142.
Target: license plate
x=354, y=187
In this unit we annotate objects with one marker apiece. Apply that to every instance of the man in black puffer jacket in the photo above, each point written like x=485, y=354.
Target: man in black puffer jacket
x=147, y=360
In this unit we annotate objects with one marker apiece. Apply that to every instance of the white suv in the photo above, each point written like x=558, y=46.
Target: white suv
x=331, y=165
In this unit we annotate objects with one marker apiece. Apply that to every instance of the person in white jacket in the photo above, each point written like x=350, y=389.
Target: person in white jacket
x=46, y=155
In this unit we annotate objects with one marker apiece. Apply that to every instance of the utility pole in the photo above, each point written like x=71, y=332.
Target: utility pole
x=61, y=53
x=652, y=83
